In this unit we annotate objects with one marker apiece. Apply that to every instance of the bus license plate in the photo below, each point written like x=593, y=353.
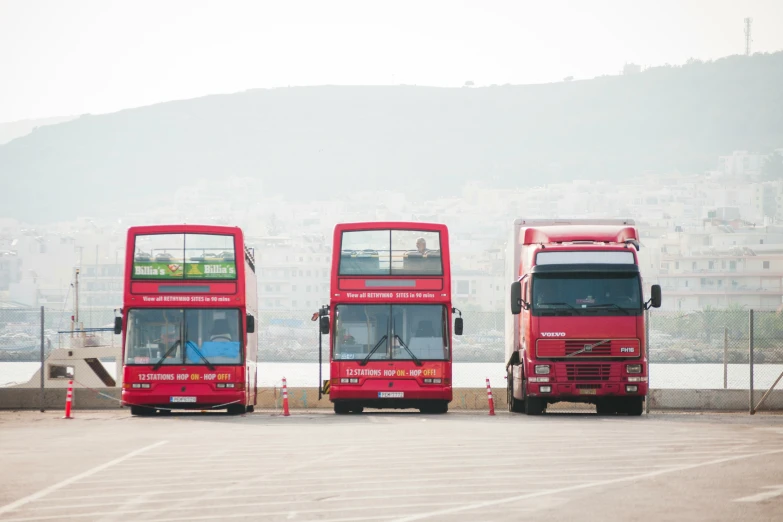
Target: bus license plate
x=391, y=395
x=183, y=399
x=587, y=391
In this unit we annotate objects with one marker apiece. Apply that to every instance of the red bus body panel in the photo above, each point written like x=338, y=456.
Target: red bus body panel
x=184, y=380
x=381, y=376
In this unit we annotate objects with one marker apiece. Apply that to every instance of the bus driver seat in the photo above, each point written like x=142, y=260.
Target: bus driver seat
x=220, y=331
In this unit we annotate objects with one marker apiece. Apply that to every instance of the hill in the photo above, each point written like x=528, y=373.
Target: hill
x=15, y=129
x=304, y=142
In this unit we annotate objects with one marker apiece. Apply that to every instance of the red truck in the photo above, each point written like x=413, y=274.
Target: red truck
x=575, y=330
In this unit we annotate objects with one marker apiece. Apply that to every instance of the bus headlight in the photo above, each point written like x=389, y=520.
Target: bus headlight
x=542, y=369
x=634, y=368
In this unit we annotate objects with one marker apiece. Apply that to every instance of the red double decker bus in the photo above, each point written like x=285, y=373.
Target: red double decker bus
x=188, y=320
x=390, y=317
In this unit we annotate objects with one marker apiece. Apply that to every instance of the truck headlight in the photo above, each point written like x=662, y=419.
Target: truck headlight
x=542, y=369
x=634, y=368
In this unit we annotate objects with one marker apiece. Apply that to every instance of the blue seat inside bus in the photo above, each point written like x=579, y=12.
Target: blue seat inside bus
x=215, y=352
x=360, y=262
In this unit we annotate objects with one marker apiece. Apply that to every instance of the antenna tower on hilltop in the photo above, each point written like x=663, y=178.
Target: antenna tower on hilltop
x=748, y=39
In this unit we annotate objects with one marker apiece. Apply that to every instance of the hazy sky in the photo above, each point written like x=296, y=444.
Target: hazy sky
x=73, y=57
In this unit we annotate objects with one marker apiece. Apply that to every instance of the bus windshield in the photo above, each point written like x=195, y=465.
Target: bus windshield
x=396, y=332
x=184, y=256
x=587, y=293
x=390, y=252
x=211, y=336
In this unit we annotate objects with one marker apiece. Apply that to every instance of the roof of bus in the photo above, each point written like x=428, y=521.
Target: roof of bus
x=181, y=228
x=394, y=225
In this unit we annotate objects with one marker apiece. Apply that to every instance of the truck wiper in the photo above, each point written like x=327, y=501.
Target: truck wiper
x=606, y=305
x=363, y=362
x=165, y=355
x=588, y=348
x=557, y=304
x=198, y=352
x=415, y=359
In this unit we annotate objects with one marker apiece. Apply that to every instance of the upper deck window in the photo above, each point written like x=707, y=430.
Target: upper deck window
x=184, y=256
x=390, y=252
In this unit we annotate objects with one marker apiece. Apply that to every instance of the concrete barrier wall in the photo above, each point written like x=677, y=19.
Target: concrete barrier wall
x=464, y=399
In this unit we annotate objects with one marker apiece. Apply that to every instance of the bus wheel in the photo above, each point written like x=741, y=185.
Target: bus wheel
x=236, y=409
x=340, y=408
x=437, y=407
x=514, y=405
x=635, y=406
x=142, y=411
x=534, y=406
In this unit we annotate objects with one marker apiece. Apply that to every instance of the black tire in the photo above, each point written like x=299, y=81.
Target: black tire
x=634, y=406
x=514, y=405
x=236, y=409
x=251, y=409
x=340, y=408
x=142, y=411
x=534, y=405
x=357, y=409
x=605, y=407
x=436, y=407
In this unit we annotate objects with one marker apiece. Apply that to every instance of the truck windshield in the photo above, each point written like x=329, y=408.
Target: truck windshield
x=189, y=336
x=405, y=332
x=586, y=294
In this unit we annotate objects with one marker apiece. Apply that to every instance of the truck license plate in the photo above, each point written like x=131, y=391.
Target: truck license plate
x=183, y=399
x=587, y=391
x=391, y=395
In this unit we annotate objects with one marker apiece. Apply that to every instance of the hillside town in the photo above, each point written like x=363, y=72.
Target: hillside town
x=711, y=240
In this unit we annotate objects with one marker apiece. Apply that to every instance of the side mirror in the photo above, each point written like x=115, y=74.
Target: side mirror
x=118, y=325
x=251, y=324
x=324, y=324
x=516, y=298
x=655, y=296
x=458, y=326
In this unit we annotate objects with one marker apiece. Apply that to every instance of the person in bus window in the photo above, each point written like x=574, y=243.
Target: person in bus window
x=421, y=247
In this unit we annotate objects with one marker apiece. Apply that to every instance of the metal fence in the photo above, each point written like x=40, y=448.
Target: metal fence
x=689, y=351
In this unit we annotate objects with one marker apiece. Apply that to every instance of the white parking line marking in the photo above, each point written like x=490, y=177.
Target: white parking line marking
x=775, y=491
x=35, y=496
x=577, y=487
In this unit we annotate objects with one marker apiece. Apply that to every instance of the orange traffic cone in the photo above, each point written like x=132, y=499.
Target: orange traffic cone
x=489, y=398
x=69, y=400
x=285, y=399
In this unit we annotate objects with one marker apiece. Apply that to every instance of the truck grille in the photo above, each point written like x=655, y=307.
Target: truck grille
x=588, y=372
x=619, y=348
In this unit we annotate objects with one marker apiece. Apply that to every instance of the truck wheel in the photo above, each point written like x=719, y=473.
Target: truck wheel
x=514, y=405
x=340, y=408
x=534, y=405
x=634, y=406
x=605, y=407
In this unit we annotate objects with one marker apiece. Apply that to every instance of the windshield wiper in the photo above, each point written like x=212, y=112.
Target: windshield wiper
x=557, y=304
x=415, y=359
x=165, y=355
x=606, y=305
x=588, y=348
x=198, y=352
x=378, y=344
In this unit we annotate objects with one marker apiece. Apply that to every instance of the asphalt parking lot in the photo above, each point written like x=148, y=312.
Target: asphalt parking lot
x=397, y=466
